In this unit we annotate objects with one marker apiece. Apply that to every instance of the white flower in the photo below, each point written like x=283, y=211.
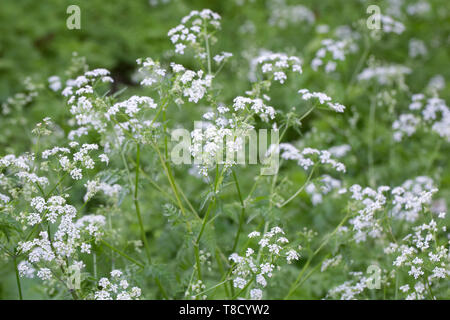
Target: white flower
x=323, y=99
x=104, y=158
x=292, y=255
x=239, y=283
x=76, y=174
x=254, y=234
x=256, y=294
x=261, y=280
x=404, y=288
x=416, y=272
x=44, y=274
x=85, y=248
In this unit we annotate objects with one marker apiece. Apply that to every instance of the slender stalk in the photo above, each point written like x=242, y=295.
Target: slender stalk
x=94, y=263
x=171, y=182
x=211, y=203
x=138, y=213
x=57, y=185
x=298, y=191
x=241, y=217
x=430, y=290
x=136, y=204
x=312, y=271
x=212, y=288
x=123, y=254
x=307, y=113
x=208, y=53
x=224, y=275
x=197, y=261
x=360, y=62
x=19, y=287
x=372, y=180
x=433, y=156
x=296, y=283
x=188, y=202
x=155, y=185
x=205, y=219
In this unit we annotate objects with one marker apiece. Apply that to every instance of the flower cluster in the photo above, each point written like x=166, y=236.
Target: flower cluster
x=255, y=106
x=49, y=254
x=433, y=112
x=195, y=290
x=19, y=168
x=193, y=29
x=79, y=160
x=309, y=157
x=406, y=202
x=275, y=65
x=209, y=145
x=424, y=260
x=21, y=99
x=224, y=134
x=417, y=48
x=150, y=71
x=222, y=57
x=282, y=14
x=324, y=185
x=131, y=106
x=259, y=266
x=418, y=8
x=410, y=198
x=349, y=290
x=369, y=201
x=389, y=25
x=94, y=186
x=331, y=263
x=116, y=288
x=334, y=50
x=82, y=100
x=322, y=99
x=385, y=75
x=189, y=84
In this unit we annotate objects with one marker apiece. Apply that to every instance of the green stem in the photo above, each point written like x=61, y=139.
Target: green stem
x=19, y=287
x=372, y=180
x=197, y=261
x=299, y=190
x=241, y=217
x=208, y=53
x=307, y=113
x=205, y=219
x=123, y=254
x=324, y=242
x=224, y=279
x=136, y=204
x=171, y=182
x=430, y=290
x=57, y=185
x=360, y=62
x=433, y=156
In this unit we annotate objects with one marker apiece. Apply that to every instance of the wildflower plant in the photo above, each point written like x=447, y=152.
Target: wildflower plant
x=100, y=200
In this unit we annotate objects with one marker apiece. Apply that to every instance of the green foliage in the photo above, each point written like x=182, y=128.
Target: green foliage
x=193, y=224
